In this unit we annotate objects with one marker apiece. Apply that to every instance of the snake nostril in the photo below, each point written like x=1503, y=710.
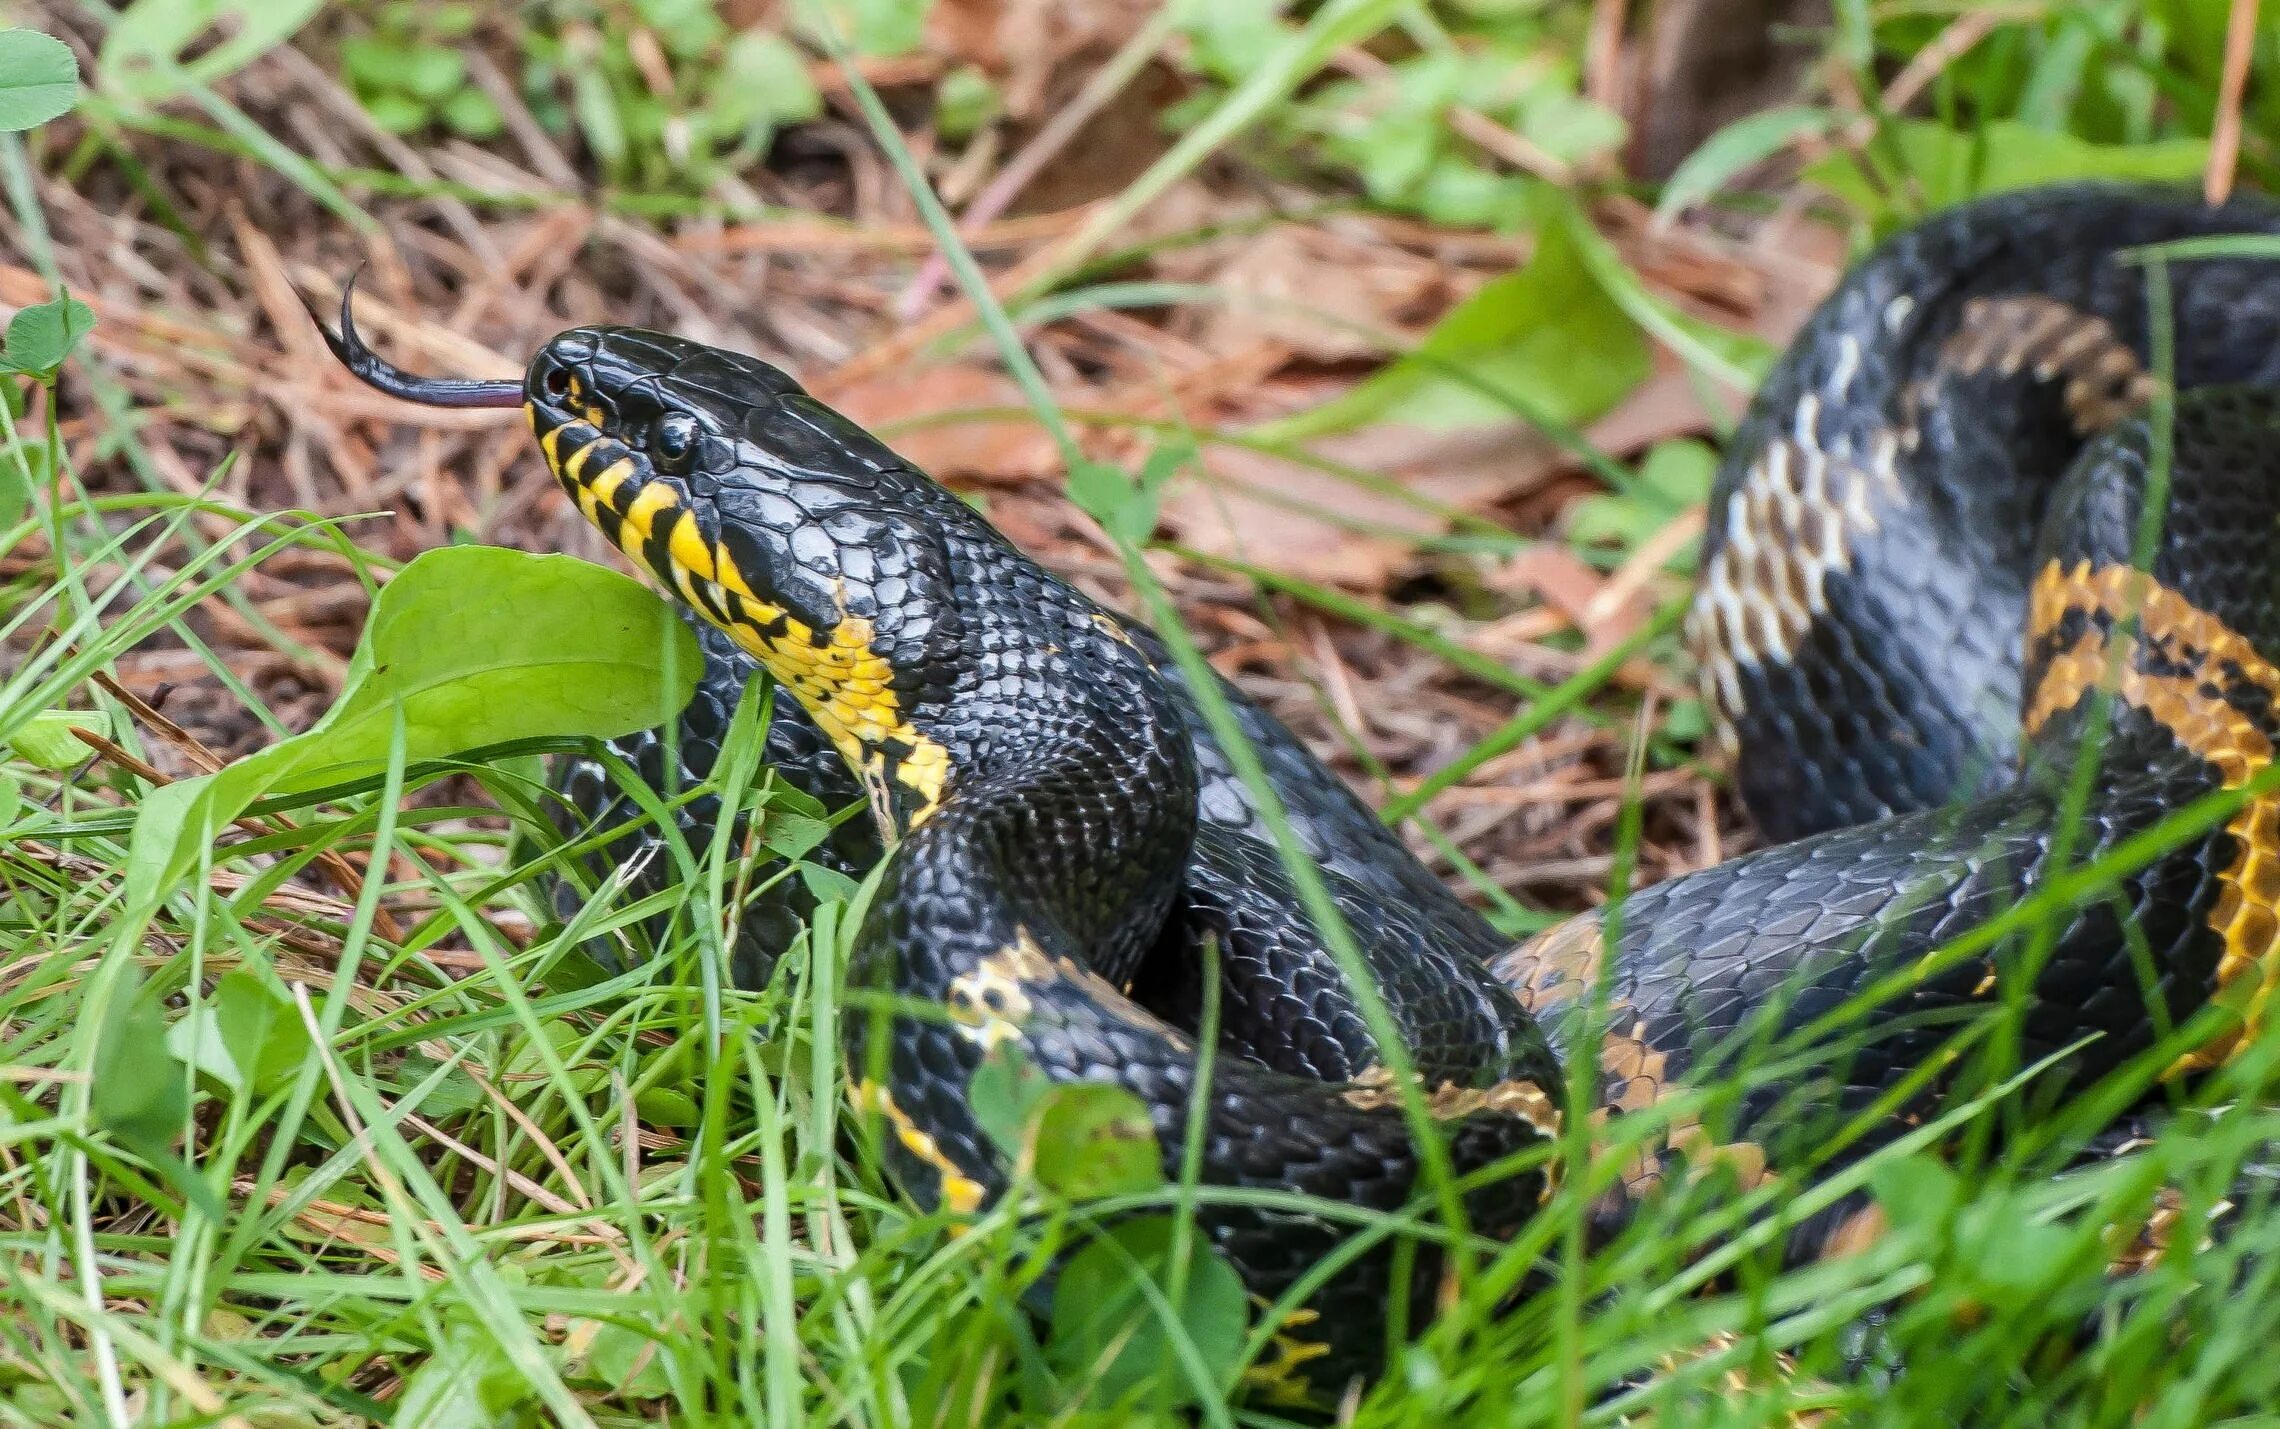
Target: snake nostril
x=556, y=382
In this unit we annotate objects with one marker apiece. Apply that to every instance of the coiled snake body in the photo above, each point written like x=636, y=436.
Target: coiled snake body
x=1919, y=572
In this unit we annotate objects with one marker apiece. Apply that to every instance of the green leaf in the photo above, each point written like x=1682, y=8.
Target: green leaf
x=141, y=54
x=599, y=117
x=45, y=741
x=964, y=101
x=1680, y=471
x=1737, y=359
x=468, y=646
x=41, y=336
x=665, y=1106
x=790, y=835
x=1947, y=167
x=39, y=79
x=1107, y=1331
x=397, y=112
x=1124, y=507
x=467, y=1383
x=1548, y=336
x=2025, y=1257
x=1093, y=1140
x=196, y=1042
x=827, y=885
x=627, y=1362
x=261, y=1029
x=472, y=114
x=1006, y=1094
x=1915, y=1191
x=374, y=61
x=1738, y=147
x=248, y=1036
x=887, y=27
x=763, y=81
x=1230, y=37
x=431, y=72
x=140, y=1095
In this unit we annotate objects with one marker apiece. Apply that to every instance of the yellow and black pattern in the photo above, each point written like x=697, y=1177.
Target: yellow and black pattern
x=835, y=672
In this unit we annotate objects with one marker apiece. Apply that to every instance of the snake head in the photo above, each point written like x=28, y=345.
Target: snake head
x=813, y=545
x=821, y=552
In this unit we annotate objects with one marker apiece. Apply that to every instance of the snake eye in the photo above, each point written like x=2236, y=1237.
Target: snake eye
x=673, y=439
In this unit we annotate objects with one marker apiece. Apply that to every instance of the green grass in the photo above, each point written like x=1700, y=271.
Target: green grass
x=298, y=1147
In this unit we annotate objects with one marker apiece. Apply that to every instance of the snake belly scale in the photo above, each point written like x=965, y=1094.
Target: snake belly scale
x=1966, y=539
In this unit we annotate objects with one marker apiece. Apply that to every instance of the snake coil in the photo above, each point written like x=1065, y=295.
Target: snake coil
x=1964, y=508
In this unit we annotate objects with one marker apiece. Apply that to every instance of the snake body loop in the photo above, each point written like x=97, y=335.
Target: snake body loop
x=1960, y=514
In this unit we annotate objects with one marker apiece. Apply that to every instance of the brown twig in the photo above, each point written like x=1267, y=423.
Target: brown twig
x=2224, y=136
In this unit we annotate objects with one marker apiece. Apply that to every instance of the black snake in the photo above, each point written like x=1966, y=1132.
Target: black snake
x=1922, y=561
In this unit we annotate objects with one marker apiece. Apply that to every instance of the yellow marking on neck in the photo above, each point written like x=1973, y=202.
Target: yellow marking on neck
x=730, y=576
x=960, y=1193
x=549, y=442
x=648, y=503
x=690, y=553
x=849, y=689
x=575, y=463
x=839, y=678
x=605, y=483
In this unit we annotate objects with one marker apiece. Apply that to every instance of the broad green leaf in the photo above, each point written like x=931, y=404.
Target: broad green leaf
x=1091, y=1140
x=2023, y=1255
x=468, y=646
x=1548, y=336
x=41, y=336
x=886, y=27
x=468, y=1383
x=1107, y=1331
x=666, y=1106
x=1915, y=1191
x=39, y=79
x=142, y=52
x=792, y=835
x=196, y=1041
x=627, y=1362
x=1947, y=167
x=1124, y=509
x=45, y=741
x=139, y=1093
x=1006, y=1094
x=1736, y=359
x=1736, y=148
x=763, y=80
x=260, y=1028
x=964, y=100
x=472, y=114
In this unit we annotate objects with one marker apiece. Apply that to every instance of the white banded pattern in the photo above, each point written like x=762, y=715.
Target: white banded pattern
x=1789, y=525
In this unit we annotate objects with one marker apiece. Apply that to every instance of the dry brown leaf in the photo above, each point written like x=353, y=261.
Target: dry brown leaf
x=1305, y=525
x=1322, y=527
x=997, y=449
x=1275, y=290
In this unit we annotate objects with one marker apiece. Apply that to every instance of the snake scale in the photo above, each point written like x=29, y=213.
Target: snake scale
x=1964, y=509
